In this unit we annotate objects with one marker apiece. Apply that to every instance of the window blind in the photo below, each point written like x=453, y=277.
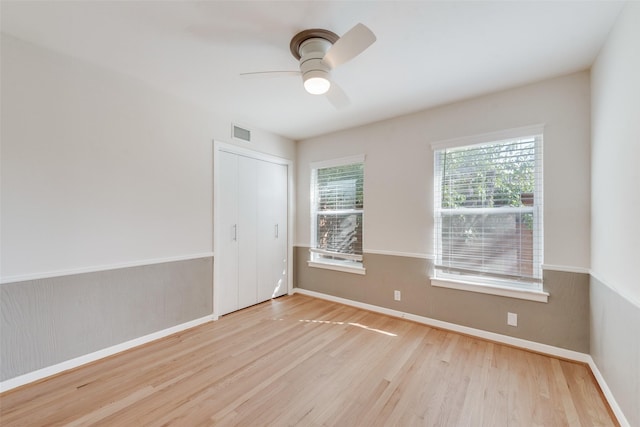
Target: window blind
x=488, y=212
x=338, y=206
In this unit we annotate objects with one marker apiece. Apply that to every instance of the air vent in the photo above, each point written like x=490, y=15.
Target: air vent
x=241, y=133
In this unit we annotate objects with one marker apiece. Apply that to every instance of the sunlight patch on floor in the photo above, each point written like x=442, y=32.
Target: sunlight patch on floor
x=358, y=325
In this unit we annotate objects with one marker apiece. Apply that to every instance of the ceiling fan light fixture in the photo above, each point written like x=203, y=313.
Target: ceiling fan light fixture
x=316, y=82
x=320, y=51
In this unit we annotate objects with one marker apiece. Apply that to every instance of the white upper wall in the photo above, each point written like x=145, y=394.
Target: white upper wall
x=99, y=169
x=615, y=208
x=399, y=166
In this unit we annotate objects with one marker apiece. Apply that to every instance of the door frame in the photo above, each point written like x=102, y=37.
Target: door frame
x=219, y=146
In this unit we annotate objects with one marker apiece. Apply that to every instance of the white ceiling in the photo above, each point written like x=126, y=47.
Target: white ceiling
x=427, y=53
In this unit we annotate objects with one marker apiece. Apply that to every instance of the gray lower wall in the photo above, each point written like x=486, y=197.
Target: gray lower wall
x=562, y=322
x=615, y=346
x=48, y=321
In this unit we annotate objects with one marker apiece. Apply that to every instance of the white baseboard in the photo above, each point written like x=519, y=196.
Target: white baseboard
x=608, y=394
x=492, y=336
x=100, y=354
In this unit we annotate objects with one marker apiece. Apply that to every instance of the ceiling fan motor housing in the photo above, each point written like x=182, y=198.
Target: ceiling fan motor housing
x=311, y=53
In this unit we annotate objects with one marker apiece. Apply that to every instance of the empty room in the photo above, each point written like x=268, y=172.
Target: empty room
x=319, y=213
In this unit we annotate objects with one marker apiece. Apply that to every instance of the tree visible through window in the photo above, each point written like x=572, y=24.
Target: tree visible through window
x=488, y=211
x=337, y=209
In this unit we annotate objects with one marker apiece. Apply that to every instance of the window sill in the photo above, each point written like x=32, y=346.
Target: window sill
x=338, y=266
x=526, y=294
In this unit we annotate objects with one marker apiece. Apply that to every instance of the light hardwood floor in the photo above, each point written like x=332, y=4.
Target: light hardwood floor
x=307, y=362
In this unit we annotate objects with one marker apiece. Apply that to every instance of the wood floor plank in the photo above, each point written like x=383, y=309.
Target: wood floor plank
x=302, y=361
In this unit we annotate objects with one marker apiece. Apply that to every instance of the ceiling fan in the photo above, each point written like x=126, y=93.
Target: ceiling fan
x=320, y=51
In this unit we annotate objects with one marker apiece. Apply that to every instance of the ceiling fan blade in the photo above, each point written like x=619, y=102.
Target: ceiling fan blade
x=337, y=97
x=350, y=45
x=269, y=74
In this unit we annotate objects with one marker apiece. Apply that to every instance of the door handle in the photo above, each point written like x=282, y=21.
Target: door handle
x=235, y=232
x=276, y=231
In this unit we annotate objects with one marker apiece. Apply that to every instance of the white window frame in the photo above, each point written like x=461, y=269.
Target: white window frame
x=348, y=263
x=482, y=284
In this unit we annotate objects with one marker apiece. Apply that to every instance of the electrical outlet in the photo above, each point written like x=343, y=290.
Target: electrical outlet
x=396, y=295
x=512, y=319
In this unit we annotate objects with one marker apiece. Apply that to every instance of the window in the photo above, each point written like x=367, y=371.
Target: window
x=488, y=213
x=337, y=206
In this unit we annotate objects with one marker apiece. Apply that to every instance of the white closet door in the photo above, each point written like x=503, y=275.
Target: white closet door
x=272, y=230
x=227, y=218
x=251, y=231
x=247, y=231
